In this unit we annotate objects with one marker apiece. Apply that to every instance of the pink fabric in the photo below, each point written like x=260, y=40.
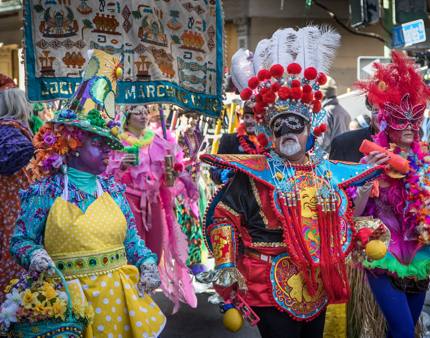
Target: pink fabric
x=152, y=203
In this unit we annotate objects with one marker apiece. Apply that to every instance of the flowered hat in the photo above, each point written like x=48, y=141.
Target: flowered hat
x=285, y=73
x=92, y=107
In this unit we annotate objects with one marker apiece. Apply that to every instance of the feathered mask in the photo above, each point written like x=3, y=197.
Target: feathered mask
x=399, y=92
x=285, y=73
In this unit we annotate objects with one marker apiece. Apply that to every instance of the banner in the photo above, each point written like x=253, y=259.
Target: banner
x=171, y=50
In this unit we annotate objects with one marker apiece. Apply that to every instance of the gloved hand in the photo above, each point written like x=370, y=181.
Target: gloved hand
x=41, y=262
x=149, y=278
x=225, y=175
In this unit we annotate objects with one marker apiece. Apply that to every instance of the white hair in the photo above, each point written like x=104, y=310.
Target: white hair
x=14, y=105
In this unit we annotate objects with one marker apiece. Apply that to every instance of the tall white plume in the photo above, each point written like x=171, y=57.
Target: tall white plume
x=317, y=47
x=263, y=55
x=285, y=46
x=328, y=43
x=309, y=46
x=242, y=68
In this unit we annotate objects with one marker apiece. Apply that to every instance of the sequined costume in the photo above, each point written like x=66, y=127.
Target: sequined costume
x=282, y=226
x=255, y=242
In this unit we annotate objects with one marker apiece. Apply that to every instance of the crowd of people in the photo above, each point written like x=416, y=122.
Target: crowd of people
x=117, y=203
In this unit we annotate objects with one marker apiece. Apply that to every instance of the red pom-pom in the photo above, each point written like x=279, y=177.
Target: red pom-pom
x=263, y=74
x=284, y=93
x=318, y=131
x=295, y=83
x=262, y=139
x=264, y=90
x=246, y=94
x=322, y=79
x=296, y=93
x=258, y=98
x=275, y=86
x=259, y=108
x=253, y=82
x=178, y=167
x=307, y=88
x=318, y=95
x=316, y=106
x=363, y=235
x=269, y=97
x=323, y=127
x=310, y=73
x=294, y=68
x=277, y=71
x=307, y=97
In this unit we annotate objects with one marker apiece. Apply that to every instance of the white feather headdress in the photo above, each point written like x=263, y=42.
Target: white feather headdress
x=310, y=46
x=285, y=73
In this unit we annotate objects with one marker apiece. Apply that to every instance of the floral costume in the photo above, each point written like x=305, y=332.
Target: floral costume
x=54, y=212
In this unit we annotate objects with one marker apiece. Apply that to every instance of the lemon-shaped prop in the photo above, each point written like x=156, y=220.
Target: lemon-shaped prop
x=376, y=249
x=233, y=320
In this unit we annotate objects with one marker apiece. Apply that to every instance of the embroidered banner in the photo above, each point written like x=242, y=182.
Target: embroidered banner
x=172, y=51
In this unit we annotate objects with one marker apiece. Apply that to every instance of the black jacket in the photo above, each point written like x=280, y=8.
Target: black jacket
x=345, y=146
x=228, y=144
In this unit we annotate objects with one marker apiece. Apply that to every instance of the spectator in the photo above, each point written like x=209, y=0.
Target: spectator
x=16, y=150
x=338, y=118
x=360, y=122
x=345, y=146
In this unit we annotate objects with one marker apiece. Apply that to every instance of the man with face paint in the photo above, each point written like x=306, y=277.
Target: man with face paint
x=281, y=227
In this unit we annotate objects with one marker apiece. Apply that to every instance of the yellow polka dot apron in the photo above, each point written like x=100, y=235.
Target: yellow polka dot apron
x=88, y=247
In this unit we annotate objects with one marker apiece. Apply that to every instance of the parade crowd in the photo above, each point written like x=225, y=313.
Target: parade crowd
x=297, y=210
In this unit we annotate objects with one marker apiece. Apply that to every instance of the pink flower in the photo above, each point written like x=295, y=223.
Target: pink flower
x=53, y=161
x=49, y=138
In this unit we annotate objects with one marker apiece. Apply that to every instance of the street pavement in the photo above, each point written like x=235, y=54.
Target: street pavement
x=203, y=322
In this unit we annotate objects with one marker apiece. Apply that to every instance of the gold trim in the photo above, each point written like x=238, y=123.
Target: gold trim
x=95, y=264
x=257, y=198
x=226, y=207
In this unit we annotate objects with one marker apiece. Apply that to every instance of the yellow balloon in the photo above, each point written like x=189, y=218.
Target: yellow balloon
x=233, y=320
x=376, y=249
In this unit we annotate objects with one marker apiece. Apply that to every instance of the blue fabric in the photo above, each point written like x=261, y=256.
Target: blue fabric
x=36, y=202
x=225, y=175
x=16, y=149
x=82, y=180
x=400, y=309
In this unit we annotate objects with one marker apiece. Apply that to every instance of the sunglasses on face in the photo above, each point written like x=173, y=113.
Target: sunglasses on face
x=290, y=124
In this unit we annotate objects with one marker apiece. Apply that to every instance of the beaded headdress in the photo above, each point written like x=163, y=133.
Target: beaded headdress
x=285, y=73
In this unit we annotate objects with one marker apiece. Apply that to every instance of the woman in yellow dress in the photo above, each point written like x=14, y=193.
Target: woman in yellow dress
x=80, y=221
